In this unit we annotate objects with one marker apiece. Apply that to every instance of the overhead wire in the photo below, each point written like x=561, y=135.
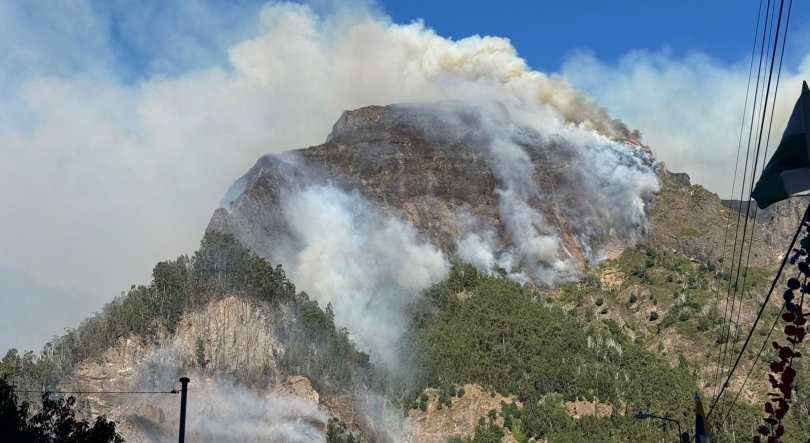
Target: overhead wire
x=723, y=343
x=95, y=392
x=764, y=159
x=753, y=174
x=739, y=149
x=762, y=308
x=753, y=177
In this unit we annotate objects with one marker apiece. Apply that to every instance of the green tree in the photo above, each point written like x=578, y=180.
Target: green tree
x=54, y=422
x=200, y=354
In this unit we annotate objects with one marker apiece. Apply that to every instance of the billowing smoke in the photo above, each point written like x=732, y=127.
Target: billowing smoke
x=219, y=407
x=113, y=161
x=599, y=192
x=564, y=195
x=690, y=106
x=367, y=265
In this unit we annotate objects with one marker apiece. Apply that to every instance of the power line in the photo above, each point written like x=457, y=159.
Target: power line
x=753, y=365
x=778, y=76
x=97, y=392
x=724, y=346
x=803, y=224
x=764, y=158
x=753, y=176
x=737, y=160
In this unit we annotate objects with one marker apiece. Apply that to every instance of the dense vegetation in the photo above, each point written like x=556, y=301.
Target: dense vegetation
x=221, y=267
x=54, y=422
x=549, y=350
x=519, y=343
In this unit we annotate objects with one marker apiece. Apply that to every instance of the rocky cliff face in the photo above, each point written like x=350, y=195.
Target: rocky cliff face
x=695, y=222
x=368, y=219
x=452, y=169
x=231, y=399
x=446, y=170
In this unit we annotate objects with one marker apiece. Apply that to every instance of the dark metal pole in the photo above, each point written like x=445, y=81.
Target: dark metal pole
x=183, y=394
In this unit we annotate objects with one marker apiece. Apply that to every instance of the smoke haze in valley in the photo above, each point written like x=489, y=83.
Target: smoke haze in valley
x=107, y=171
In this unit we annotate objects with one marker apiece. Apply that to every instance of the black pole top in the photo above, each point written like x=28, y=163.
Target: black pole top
x=184, y=380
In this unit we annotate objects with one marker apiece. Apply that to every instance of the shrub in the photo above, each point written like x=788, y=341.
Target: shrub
x=684, y=316
x=600, y=301
x=633, y=298
x=653, y=316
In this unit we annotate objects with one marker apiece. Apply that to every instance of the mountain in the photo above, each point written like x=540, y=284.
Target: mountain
x=27, y=302
x=434, y=272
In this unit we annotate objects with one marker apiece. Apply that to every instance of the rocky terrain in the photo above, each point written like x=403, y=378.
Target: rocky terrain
x=431, y=164
x=434, y=184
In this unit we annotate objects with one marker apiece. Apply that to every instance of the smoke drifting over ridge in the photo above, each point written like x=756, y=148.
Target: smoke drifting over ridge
x=220, y=407
x=370, y=267
x=368, y=260
x=96, y=151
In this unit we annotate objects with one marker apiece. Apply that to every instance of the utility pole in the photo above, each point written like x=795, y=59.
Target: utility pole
x=184, y=381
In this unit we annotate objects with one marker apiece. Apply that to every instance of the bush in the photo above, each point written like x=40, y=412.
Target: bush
x=633, y=298
x=604, y=311
x=461, y=392
x=684, y=316
x=653, y=316
x=600, y=301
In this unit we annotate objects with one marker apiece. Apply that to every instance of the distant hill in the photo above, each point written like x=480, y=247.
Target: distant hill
x=27, y=302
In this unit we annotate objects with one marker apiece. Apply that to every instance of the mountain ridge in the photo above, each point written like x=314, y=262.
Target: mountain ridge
x=376, y=229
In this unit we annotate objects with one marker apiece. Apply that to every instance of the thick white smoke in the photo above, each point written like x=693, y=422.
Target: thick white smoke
x=369, y=266
x=691, y=107
x=108, y=174
x=600, y=197
x=220, y=408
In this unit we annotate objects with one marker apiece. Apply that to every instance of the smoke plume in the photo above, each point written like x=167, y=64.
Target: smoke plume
x=110, y=171
x=220, y=408
x=367, y=265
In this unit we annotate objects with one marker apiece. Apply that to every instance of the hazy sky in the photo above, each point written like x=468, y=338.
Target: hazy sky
x=122, y=124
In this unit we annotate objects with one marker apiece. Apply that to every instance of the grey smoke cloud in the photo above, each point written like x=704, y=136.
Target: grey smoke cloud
x=222, y=409
x=601, y=195
x=109, y=174
x=368, y=265
x=106, y=172
x=690, y=107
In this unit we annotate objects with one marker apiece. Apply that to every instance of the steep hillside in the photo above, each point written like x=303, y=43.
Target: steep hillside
x=450, y=170
x=694, y=222
x=451, y=272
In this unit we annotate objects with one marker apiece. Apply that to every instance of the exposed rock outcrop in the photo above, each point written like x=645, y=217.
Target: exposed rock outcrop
x=437, y=166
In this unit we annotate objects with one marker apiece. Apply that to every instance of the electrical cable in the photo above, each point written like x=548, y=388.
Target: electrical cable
x=98, y=392
x=723, y=346
x=739, y=149
x=767, y=145
x=764, y=305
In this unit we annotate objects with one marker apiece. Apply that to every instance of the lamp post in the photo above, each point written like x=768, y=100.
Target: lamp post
x=684, y=437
